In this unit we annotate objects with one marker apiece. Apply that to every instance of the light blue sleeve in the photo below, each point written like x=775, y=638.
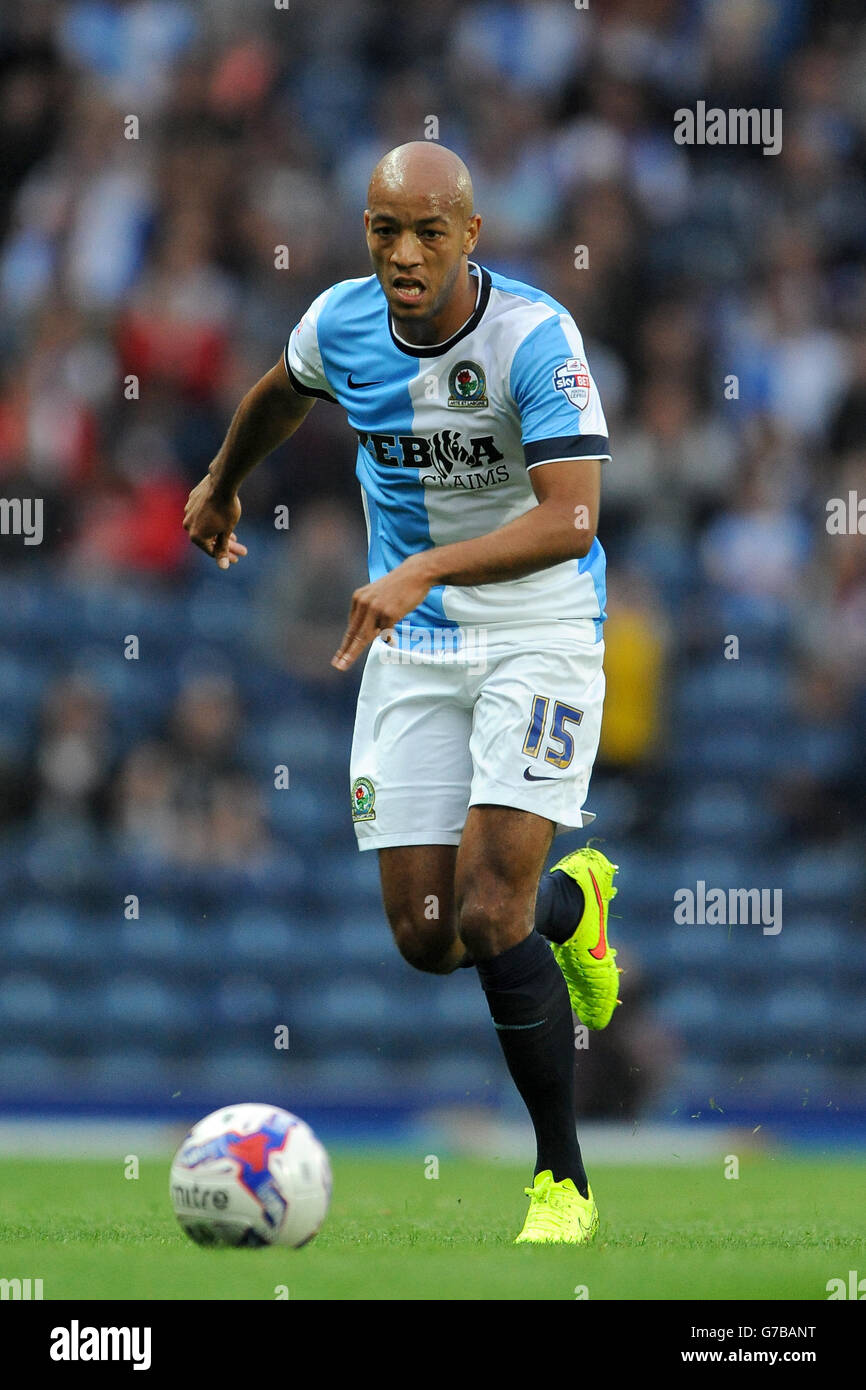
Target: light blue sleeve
x=561, y=416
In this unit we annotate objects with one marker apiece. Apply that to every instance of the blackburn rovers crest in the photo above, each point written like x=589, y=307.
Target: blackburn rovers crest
x=467, y=386
x=363, y=799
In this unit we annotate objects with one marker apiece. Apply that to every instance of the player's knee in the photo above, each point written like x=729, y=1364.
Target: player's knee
x=421, y=948
x=485, y=923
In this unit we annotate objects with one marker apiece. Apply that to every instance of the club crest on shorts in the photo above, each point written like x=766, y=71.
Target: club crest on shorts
x=363, y=799
x=467, y=386
x=572, y=379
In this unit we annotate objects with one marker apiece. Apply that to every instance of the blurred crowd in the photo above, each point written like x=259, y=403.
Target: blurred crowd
x=155, y=155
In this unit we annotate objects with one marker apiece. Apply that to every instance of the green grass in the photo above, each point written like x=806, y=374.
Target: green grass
x=779, y=1231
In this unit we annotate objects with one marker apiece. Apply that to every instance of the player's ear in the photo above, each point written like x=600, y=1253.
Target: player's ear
x=366, y=219
x=473, y=226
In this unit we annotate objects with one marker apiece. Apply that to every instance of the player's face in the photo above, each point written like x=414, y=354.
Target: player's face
x=418, y=247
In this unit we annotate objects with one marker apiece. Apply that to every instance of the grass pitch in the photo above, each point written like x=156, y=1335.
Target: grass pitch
x=779, y=1231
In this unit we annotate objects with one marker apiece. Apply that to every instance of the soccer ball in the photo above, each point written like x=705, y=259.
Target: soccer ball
x=251, y=1175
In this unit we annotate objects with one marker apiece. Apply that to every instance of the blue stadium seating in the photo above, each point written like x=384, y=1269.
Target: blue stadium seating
x=189, y=994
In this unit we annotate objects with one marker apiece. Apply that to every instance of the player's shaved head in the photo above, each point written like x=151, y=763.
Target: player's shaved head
x=421, y=228
x=422, y=168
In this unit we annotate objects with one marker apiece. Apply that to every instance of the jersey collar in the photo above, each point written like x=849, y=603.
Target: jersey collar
x=438, y=349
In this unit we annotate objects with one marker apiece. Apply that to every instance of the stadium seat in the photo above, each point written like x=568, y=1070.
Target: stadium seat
x=363, y=941
x=249, y=1001
x=756, y=693
x=30, y=1070
x=827, y=877
x=138, y=1003
x=26, y=1000
x=39, y=932
x=358, y=1009
x=125, y=1073
x=268, y=939
x=691, y=1008
x=722, y=812
x=454, y=1076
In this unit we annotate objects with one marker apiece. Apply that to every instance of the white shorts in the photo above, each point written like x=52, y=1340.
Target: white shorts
x=512, y=720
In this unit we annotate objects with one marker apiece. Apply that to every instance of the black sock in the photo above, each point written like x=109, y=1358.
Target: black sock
x=530, y=1007
x=558, y=907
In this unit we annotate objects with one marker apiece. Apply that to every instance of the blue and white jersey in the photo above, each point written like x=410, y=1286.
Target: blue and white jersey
x=448, y=434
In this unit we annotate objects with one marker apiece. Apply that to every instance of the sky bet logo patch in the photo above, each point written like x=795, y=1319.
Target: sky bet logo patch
x=572, y=379
x=467, y=386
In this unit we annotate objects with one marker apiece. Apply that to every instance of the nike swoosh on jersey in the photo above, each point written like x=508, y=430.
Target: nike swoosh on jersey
x=356, y=385
x=531, y=777
x=599, y=950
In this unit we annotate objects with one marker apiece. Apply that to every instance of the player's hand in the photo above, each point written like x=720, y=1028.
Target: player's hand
x=381, y=605
x=210, y=519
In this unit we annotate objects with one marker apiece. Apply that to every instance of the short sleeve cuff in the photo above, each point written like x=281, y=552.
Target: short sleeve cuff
x=299, y=385
x=567, y=446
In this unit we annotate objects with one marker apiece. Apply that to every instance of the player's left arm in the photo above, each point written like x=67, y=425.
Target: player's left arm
x=562, y=527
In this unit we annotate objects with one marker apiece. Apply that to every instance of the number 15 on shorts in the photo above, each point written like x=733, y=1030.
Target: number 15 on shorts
x=562, y=715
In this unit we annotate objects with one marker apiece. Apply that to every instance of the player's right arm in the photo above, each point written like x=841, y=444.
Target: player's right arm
x=267, y=416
